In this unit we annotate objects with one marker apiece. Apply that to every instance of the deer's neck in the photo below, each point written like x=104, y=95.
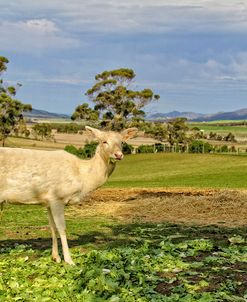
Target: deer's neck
x=104, y=162
x=99, y=169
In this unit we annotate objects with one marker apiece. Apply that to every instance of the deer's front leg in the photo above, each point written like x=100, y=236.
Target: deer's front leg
x=55, y=255
x=57, y=211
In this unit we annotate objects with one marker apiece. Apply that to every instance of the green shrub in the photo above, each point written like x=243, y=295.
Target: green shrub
x=159, y=147
x=71, y=149
x=127, y=149
x=90, y=149
x=42, y=131
x=87, y=152
x=198, y=146
x=224, y=148
x=146, y=149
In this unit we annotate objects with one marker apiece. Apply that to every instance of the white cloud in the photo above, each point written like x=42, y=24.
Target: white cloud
x=209, y=76
x=234, y=69
x=34, y=35
x=42, y=26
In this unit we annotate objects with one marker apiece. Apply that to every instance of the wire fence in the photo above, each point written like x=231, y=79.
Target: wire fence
x=190, y=148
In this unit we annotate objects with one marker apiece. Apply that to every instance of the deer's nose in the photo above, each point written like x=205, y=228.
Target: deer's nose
x=118, y=155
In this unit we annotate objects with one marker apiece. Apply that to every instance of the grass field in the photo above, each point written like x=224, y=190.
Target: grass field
x=220, y=128
x=240, y=132
x=180, y=170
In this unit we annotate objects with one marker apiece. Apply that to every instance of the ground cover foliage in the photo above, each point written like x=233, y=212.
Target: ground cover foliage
x=129, y=262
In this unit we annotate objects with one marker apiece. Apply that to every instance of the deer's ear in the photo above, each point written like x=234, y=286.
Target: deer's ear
x=94, y=132
x=128, y=133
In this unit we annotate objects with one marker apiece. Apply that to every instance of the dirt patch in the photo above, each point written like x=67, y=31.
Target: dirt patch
x=80, y=140
x=165, y=288
x=219, y=207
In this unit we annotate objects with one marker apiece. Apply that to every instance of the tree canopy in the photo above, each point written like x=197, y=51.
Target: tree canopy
x=115, y=103
x=84, y=112
x=176, y=130
x=11, y=110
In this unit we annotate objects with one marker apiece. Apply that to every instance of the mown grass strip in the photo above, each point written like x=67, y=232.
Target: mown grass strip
x=180, y=170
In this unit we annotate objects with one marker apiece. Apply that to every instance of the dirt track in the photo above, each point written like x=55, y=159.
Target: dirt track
x=220, y=207
x=80, y=140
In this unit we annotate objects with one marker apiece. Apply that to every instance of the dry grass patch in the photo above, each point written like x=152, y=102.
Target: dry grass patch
x=219, y=207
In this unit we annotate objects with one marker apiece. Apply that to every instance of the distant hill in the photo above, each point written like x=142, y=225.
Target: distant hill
x=199, y=117
x=192, y=116
x=234, y=115
x=42, y=114
x=174, y=114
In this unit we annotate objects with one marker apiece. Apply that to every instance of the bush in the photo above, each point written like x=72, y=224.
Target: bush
x=198, y=146
x=230, y=137
x=159, y=147
x=73, y=150
x=42, y=131
x=224, y=148
x=87, y=152
x=146, y=149
x=127, y=149
x=90, y=149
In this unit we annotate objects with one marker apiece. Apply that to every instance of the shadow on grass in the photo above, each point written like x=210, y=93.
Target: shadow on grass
x=118, y=235
x=177, y=232
x=45, y=243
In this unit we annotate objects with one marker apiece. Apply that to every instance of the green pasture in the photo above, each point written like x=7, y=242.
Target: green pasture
x=220, y=122
x=180, y=170
x=224, y=129
x=220, y=128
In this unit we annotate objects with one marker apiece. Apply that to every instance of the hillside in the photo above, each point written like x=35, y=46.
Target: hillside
x=174, y=114
x=240, y=114
x=36, y=113
x=199, y=117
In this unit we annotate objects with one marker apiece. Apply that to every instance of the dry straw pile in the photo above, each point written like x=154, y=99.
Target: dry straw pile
x=205, y=207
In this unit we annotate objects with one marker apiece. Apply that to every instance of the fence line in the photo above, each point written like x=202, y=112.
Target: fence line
x=187, y=148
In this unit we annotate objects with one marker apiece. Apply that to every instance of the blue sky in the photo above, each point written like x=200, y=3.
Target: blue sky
x=191, y=52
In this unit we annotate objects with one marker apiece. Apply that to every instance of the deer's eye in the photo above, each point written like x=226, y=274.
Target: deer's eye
x=105, y=142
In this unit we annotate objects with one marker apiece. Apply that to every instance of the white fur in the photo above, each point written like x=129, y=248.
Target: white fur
x=57, y=178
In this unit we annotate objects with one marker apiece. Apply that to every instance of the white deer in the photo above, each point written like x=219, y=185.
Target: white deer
x=57, y=178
